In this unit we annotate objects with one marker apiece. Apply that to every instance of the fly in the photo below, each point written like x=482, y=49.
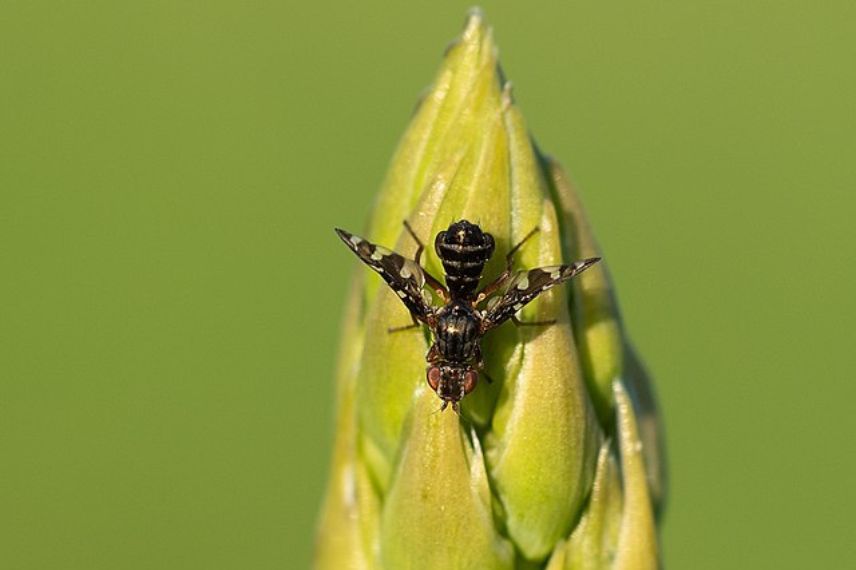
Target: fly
x=455, y=358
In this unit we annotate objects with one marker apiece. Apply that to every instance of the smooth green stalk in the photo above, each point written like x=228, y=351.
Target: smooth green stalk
x=556, y=464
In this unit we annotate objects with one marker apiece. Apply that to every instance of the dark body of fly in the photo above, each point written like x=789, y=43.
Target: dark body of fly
x=455, y=359
x=464, y=249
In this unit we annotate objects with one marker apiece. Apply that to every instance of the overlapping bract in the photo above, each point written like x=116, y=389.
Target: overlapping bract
x=557, y=464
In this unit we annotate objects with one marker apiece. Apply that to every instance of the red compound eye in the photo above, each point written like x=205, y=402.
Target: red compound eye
x=471, y=377
x=434, y=377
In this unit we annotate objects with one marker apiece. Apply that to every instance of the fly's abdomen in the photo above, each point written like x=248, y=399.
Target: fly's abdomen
x=464, y=249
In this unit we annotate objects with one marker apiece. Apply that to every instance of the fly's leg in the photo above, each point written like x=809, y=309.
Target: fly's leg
x=480, y=366
x=491, y=287
x=418, y=241
x=412, y=326
x=430, y=279
x=433, y=356
x=514, y=249
x=518, y=323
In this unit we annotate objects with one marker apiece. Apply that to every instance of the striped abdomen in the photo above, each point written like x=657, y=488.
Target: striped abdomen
x=464, y=249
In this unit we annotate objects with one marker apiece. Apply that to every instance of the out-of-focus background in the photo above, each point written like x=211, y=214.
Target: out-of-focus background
x=170, y=174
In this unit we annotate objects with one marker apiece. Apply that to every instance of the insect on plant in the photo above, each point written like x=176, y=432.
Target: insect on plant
x=455, y=359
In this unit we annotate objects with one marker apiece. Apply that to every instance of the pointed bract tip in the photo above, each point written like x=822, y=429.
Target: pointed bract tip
x=475, y=17
x=475, y=26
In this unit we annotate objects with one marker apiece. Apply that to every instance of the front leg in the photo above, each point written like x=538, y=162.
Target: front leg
x=433, y=356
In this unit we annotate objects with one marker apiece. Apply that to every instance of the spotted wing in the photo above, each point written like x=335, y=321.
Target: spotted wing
x=524, y=286
x=403, y=275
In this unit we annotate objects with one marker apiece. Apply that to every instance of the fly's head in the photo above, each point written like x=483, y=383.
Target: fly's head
x=464, y=249
x=452, y=382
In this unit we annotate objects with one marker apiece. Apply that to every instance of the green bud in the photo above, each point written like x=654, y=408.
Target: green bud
x=641, y=392
x=595, y=309
x=544, y=417
x=525, y=477
x=594, y=541
x=438, y=510
x=637, y=535
x=351, y=510
x=617, y=529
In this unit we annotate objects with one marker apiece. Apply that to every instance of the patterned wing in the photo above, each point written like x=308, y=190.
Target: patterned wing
x=403, y=275
x=525, y=286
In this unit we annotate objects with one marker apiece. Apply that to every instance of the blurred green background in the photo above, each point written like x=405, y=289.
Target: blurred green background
x=170, y=174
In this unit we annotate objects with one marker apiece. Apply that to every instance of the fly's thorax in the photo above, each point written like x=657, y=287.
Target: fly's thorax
x=456, y=334
x=464, y=249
